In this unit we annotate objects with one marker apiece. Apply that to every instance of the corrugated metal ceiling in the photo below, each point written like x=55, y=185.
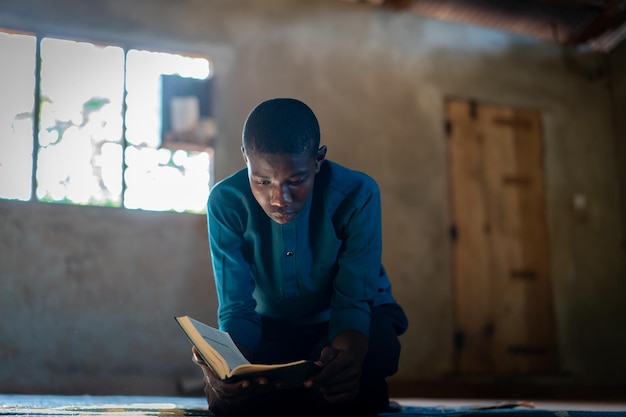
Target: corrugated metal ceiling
x=597, y=24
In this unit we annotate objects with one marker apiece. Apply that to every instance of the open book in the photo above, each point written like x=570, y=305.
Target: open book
x=220, y=352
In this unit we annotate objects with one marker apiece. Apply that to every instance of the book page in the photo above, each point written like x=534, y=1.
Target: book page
x=222, y=343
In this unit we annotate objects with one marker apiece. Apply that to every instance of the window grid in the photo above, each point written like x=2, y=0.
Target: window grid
x=173, y=157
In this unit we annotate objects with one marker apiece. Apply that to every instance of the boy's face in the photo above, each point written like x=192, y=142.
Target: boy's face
x=282, y=183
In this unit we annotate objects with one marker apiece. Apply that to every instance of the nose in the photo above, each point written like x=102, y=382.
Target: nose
x=281, y=196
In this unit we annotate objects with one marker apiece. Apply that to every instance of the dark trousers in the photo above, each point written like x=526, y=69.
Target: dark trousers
x=284, y=342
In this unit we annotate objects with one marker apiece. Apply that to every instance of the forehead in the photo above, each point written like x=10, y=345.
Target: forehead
x=279, y=164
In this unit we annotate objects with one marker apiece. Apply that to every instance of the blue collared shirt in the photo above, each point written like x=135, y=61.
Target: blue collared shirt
x=324, y=265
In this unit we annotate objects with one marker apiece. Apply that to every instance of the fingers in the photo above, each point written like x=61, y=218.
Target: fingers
x=338, y=379
x=227, y=392
x=241, y=391
x=195, y=356
x=327, y=355
x=337, y=365
x=206, y=369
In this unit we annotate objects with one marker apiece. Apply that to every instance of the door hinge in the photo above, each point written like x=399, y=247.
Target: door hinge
x=459, y=340
x=473, y=109
x=448, y=128
x=453, y=232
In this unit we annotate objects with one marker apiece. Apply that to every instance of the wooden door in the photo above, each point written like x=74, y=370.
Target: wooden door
x=503, y=297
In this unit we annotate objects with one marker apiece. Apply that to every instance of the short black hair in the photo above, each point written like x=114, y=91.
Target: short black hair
x=281, y=126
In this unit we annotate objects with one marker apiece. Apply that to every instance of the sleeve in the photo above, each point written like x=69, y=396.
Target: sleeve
x=233, y=280
x=359, y=265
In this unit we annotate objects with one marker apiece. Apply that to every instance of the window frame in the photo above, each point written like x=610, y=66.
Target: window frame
x=125, y=47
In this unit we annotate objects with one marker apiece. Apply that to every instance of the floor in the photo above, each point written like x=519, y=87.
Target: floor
x=540, y=405
x=546, y=393
x=108, y=406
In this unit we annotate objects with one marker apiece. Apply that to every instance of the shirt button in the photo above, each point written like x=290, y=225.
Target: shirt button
x=289, y=253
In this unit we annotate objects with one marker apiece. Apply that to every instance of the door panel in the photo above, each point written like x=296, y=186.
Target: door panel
x=503, y=297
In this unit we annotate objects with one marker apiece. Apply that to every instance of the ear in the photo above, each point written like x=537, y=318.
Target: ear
x=320, y=157
x=243, y=153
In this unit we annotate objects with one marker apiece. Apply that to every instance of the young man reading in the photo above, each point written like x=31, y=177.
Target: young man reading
x=296, y=248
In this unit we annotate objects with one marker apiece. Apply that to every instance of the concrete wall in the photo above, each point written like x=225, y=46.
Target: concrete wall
x=617, y=68
x=87, y=294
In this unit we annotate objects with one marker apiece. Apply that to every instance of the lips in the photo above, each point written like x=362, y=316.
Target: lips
x=284, y=217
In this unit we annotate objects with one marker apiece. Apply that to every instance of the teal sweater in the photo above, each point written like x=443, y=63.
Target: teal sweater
x=323, y=266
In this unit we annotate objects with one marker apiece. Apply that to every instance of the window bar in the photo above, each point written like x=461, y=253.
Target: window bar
x=36, y=115
x=124, y=143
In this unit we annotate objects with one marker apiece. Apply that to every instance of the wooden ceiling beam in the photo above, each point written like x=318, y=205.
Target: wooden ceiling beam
x=597, y=4
x=613, y=16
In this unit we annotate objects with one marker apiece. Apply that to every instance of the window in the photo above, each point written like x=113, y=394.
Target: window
x=96, y=136
x=16, y=112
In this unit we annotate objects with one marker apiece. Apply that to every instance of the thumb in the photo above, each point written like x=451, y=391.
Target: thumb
x=195, y=356
x=327, y=355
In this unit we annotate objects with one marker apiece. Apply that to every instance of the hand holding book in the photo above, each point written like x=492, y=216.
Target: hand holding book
x=219, y=352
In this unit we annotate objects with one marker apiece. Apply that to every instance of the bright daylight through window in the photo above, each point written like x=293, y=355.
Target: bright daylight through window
x=88, y=151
